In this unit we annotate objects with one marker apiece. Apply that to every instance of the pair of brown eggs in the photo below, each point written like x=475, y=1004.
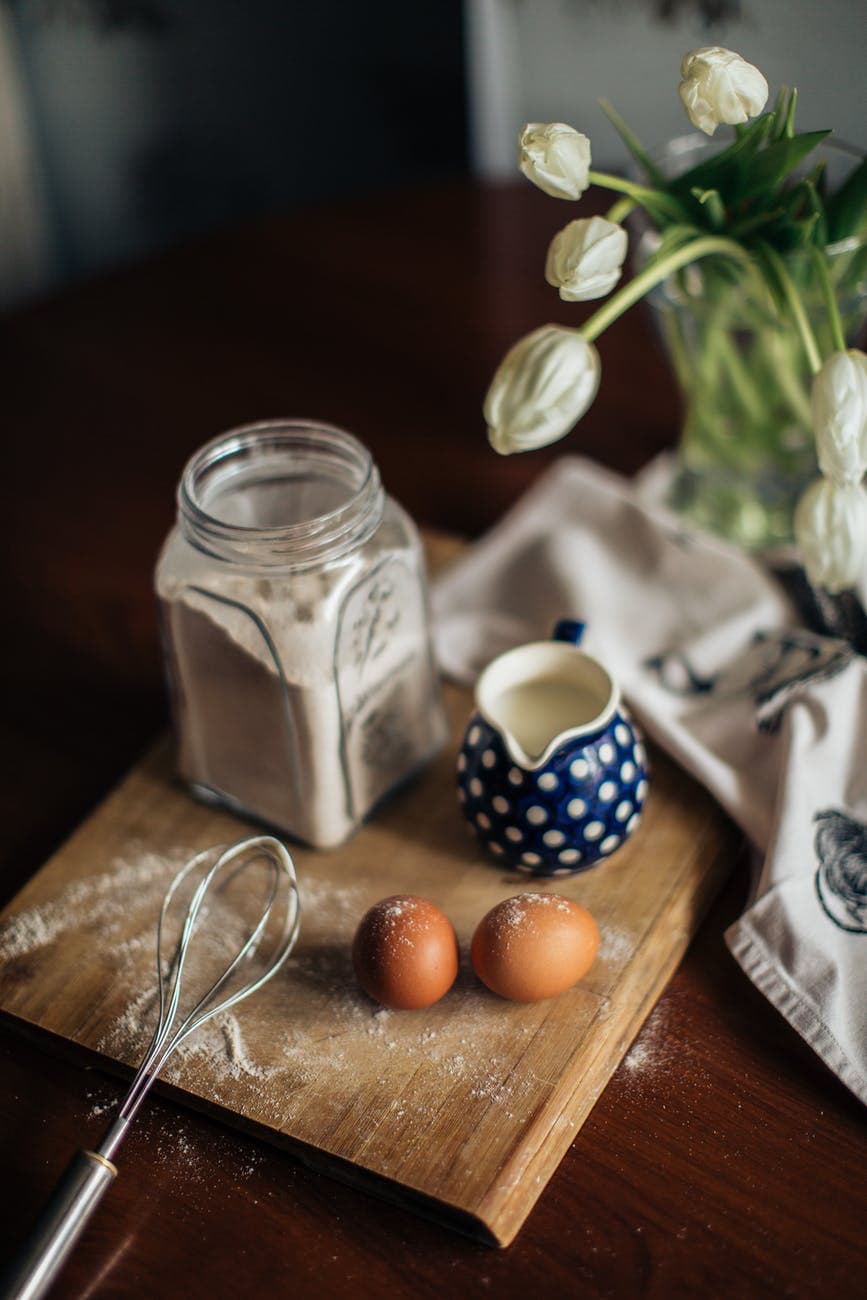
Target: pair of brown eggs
x=529, y=947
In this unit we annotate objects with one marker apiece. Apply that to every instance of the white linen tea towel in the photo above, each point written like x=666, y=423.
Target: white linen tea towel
x=771, y=718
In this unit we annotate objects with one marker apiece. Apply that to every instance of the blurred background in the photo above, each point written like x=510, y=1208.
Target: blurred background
x=201, y=201
x=129, y=125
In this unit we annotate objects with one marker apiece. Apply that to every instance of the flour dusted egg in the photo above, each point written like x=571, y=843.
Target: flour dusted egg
x=405, y=952
x=533, y=946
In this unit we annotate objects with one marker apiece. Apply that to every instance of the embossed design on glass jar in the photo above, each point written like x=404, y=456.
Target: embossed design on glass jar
x=296, y=631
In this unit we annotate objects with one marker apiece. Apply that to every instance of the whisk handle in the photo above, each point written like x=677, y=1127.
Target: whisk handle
x=61, y=1224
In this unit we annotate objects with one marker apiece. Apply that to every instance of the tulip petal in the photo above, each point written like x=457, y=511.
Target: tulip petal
x=541, y=388
x=718, y=86
x=585, y=259
x=555, y=157
x=831, y=529
x=839, y=401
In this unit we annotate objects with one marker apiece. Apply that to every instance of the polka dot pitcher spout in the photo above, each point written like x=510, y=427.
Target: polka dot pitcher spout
x=552, y=774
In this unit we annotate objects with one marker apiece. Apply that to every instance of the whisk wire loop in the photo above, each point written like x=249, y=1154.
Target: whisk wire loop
x=92, y=1172
x=167, y=1037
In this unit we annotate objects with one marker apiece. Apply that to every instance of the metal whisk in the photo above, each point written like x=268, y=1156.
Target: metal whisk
x=90, y=1173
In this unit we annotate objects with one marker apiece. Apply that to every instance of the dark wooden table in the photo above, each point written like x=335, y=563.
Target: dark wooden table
x=723, y=1158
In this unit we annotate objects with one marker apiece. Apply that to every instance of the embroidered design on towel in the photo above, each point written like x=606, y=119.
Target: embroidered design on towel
x=841, y=877
x=774, y=667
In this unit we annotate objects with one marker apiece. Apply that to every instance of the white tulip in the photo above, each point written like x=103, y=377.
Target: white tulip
x=831, y=528
x=555, y=157
x=719, y=86
x=585, y=259
x=543, y=385
x=840, y=416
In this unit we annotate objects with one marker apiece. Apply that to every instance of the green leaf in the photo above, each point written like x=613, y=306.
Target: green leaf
x=803, y=231
x=802, y=199
x=713, y=205
x=749, y=225
x=718, y=172
x=818, y=178
x=785, y=114
x=847, y=209
x=633, y=144
x=797, y=218
x=816, y=208
x=788, y=124
x=780, y=111
x=773, y=164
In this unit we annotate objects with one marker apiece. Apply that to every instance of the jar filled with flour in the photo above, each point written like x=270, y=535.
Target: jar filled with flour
x=294, y=611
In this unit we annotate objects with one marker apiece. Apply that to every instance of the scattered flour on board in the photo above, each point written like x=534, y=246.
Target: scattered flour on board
x=311, y=1038
x=101, y=904
x=615, y=945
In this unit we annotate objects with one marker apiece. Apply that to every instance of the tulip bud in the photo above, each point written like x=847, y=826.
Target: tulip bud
x=543, y=385
x=719, y=86
x=585, y=259
x=555, y=157
x=831, y=528
x=840, y=416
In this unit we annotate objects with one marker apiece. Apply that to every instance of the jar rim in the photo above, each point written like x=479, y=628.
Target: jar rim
x=291, y=545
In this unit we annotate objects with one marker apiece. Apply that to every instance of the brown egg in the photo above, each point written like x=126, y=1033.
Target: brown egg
x=533, y=946
x=405, y=952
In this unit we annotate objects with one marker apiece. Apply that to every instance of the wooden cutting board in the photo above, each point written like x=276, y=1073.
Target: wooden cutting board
x=463, y=1110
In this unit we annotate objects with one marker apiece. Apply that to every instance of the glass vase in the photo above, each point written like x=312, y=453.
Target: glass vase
x=746, y=449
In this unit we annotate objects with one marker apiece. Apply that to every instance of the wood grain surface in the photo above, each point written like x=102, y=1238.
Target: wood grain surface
x=722, y=1157
x=466, y=1107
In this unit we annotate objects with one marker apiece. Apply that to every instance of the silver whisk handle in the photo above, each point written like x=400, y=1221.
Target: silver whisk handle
x=62, y=1221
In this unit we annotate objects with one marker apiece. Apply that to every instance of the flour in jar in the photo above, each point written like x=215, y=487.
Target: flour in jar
x=304, y=697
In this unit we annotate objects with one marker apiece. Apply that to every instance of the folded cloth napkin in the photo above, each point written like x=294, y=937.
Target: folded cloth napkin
x=770, y=717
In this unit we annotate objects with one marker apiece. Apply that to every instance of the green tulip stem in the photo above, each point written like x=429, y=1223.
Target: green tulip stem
x=785, y=371
x=620, y=210
x=796, y=307
x=732, y=364
x=834, y=321
x=655, y=273
x=657, y=198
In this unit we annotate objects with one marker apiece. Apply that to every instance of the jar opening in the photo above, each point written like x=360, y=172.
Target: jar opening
x=292, y=493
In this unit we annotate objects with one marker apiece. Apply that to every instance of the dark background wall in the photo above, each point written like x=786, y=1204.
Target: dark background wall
x=155, y=119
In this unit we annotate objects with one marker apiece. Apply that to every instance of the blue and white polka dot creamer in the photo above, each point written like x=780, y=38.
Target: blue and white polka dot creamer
x=552, y=774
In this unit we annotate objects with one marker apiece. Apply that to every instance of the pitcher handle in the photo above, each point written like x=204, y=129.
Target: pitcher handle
x=569, y=629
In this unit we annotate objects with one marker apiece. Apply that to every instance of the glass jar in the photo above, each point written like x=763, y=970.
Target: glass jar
x=296, y=632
